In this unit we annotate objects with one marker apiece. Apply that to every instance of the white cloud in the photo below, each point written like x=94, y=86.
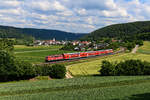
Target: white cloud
x=46, y=5
x=9, y=3
x=74, y=16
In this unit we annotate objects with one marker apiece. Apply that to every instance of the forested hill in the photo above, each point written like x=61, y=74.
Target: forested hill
x=119, y=30
x=43, y=34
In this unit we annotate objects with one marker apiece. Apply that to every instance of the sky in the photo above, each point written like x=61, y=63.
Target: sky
x=78, y=16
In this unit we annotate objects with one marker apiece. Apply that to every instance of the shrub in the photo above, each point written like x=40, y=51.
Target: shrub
x=42, y=70
x=25, y=70
x=57, y=71
x=130, y=45
x=139, y=42
x=13, y=69
x=128, y=67
x=107, y=68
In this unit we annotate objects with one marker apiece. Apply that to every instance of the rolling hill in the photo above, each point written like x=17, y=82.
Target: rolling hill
x=119, y=30
x=43, y=34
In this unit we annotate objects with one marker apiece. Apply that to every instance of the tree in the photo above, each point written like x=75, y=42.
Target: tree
x=128, y=67
x=14, y=69
x=107, y=69
x=68, y=46
x=57, y=71
x=6, y=45
x=139, y=42
x=130, y=45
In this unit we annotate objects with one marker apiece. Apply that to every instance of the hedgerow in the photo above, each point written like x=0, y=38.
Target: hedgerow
x=128, y=67
x=57, y=71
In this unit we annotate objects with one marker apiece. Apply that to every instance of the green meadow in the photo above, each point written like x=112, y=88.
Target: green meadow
x=36, y=54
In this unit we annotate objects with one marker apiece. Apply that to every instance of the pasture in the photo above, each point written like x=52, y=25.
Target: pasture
x=83, y=88
x=36, y=54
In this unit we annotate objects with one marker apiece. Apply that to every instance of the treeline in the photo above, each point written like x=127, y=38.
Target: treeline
x=28, y=34
x=17, y=35
x=120, y=31
x=12, y=68
x=128, y=67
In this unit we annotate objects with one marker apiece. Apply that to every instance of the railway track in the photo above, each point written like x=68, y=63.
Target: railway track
x=77, y=59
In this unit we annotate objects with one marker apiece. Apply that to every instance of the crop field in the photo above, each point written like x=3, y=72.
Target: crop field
x=145, y=49
x=83, y=88
x=36, y=54
x=92, y=67
x=23, y=48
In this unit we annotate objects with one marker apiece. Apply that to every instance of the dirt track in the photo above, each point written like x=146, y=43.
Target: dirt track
x=135, y=49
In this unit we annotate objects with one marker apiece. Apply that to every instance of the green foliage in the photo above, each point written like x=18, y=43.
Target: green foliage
x=13, y=69
x=133, y=30
x=26, y=35
x=25, y=70
x=6, y=44
x=130, y=45
x=114, y=45
x=57, y=71
x=107, y=69
x=68, y=47
x=42, y=70
x=144, y=36
x=128, y=67
x=139, y=42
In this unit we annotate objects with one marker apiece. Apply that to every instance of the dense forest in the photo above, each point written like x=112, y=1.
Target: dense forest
x=120, y=31
x=42, y=34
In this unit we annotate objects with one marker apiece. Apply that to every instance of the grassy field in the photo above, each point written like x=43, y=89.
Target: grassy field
x=79, y=88
x=83, y=88
x=23, y=48
x=92, y=67
x=36, y=54
x=145, y=49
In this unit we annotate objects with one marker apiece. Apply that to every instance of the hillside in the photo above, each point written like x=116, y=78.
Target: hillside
x=120, y=30
x=43, y=34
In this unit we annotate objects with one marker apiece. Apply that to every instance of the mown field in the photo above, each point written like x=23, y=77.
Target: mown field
x=36, y=54
x=92, y=67
x=145, y=49
x=83, y=88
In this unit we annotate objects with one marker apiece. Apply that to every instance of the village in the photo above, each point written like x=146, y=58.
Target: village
x=76, y=45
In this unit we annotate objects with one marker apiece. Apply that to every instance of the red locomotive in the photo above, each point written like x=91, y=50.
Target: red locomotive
x=67, y=56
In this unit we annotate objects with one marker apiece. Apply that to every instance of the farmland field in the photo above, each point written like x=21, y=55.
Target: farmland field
x=23, y=48
x=92, y=67
x=145, y=49
x=83, y=88
x=36, y=54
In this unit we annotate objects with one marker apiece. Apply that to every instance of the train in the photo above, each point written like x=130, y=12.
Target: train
x=69, y=56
